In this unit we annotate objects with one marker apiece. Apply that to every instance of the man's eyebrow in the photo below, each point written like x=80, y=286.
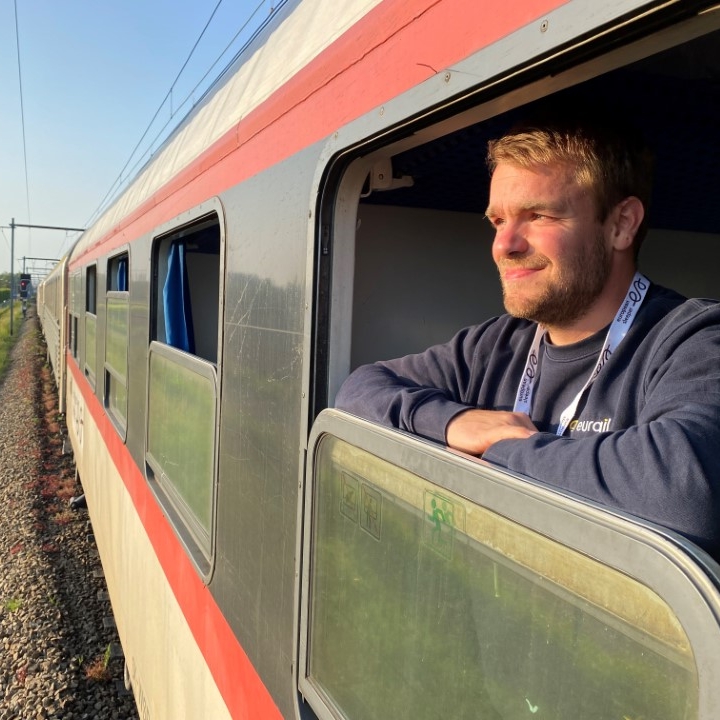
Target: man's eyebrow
x=537, y=207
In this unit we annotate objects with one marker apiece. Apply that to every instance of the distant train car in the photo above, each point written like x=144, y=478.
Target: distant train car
x=322, y=207
x=52, y=298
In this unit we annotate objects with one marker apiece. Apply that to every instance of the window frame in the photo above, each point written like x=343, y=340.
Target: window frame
x=684, y=576
x=111, y=374
x=198, y=543
x=91, y=290
x=73, y=310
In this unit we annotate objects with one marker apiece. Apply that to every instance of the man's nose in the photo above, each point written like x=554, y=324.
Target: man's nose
x=509, y=240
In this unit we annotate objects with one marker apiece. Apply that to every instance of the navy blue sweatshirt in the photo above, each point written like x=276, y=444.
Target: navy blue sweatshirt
x=645, y=437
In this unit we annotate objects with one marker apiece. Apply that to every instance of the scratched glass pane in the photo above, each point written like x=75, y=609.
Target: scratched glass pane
x=426, y=606
x=117, y=335
x=181, y=433
x=117, y=398
x=90, y=343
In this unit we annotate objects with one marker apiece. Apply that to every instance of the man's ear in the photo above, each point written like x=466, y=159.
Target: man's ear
x=626, y=217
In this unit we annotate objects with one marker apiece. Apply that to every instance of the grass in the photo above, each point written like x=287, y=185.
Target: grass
x=13, y=604
x=97, y=670
x=6, y=340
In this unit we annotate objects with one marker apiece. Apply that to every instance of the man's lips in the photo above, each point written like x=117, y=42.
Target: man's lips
x=518, y=273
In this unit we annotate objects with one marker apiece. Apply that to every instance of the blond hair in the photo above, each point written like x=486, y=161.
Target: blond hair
x=610, y=160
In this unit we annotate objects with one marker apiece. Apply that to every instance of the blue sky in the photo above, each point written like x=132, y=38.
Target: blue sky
x=93, y=76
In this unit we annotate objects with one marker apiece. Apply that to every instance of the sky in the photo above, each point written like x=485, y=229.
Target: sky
x=94, y=74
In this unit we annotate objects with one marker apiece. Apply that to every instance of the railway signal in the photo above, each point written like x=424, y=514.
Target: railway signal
x=24, y=284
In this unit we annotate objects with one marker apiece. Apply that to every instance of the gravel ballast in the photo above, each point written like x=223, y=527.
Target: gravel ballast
x=59, y=652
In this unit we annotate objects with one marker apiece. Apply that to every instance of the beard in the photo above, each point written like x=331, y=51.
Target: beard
x=567, y=296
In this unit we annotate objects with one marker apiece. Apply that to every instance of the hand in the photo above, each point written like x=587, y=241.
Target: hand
x=474, y=431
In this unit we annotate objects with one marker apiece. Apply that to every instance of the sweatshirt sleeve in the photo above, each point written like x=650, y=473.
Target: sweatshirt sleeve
x=405, y=394
x=666, y=467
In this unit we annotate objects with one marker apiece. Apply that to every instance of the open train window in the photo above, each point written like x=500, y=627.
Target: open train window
x=183, y=385
x=413, y=265
x=410, y=265
x=91, y=289
x=186, y=274
x=117, y=338
x=117, y=274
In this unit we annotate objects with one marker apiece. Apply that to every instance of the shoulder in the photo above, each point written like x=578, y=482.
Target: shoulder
x=666, y=306
x=674, y=310
x=669, y=320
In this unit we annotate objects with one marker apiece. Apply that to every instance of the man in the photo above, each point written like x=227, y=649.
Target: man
x=596, y=380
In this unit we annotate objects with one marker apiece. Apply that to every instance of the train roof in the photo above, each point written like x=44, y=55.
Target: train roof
x=296, y=33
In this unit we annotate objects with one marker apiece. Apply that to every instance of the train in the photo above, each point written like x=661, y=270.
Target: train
x=269, y=556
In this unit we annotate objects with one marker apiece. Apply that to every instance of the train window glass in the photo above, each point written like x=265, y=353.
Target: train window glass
x=74, y=336
x=183, y=381
x=411, y=265
x=116, y=348
x=90, y=346
x=181, y=435
x=75, y=308
x=76, y=292
x=426, y=605
x=117, y=335
x=90, y=321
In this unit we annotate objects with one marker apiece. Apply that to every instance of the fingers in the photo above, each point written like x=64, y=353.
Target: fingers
x=474, y=431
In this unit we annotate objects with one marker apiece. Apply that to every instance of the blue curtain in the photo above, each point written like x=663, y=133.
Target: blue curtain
x=122, y=283
x=176, y=301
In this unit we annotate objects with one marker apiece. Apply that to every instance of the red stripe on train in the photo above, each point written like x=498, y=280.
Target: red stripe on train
x=238, y=682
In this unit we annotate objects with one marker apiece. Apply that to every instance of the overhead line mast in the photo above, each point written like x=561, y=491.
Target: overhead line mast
x=13, y=225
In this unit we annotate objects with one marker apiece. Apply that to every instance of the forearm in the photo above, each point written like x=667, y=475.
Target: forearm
x=376, y=393
x=656, y=472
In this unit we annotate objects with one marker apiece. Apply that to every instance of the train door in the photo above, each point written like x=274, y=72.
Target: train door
x=434, y=584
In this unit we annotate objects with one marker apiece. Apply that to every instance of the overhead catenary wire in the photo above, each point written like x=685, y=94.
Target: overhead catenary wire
x=119, y=178
x=124, y=174
x=22, y=118
x=195, y=88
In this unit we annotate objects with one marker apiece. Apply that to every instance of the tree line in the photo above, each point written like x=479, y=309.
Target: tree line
x=4, y=286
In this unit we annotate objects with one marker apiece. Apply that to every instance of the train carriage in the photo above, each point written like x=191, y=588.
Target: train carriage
x=52, y=313
x=322, y=207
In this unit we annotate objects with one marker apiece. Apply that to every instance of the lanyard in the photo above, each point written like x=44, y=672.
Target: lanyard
x=618, y=329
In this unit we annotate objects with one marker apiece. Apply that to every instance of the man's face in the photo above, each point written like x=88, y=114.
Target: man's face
x=549, y=247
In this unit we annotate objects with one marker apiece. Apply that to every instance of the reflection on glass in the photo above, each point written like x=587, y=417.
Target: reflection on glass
x=90, y=343
x=117, y=398
x=424, y=605
x=181, y=435
x=117, y=336
x=116, y=358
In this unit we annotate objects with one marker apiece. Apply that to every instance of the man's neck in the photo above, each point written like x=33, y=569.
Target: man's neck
x=600, y=314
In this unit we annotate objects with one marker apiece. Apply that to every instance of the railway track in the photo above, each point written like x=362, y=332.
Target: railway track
x=59, y=656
